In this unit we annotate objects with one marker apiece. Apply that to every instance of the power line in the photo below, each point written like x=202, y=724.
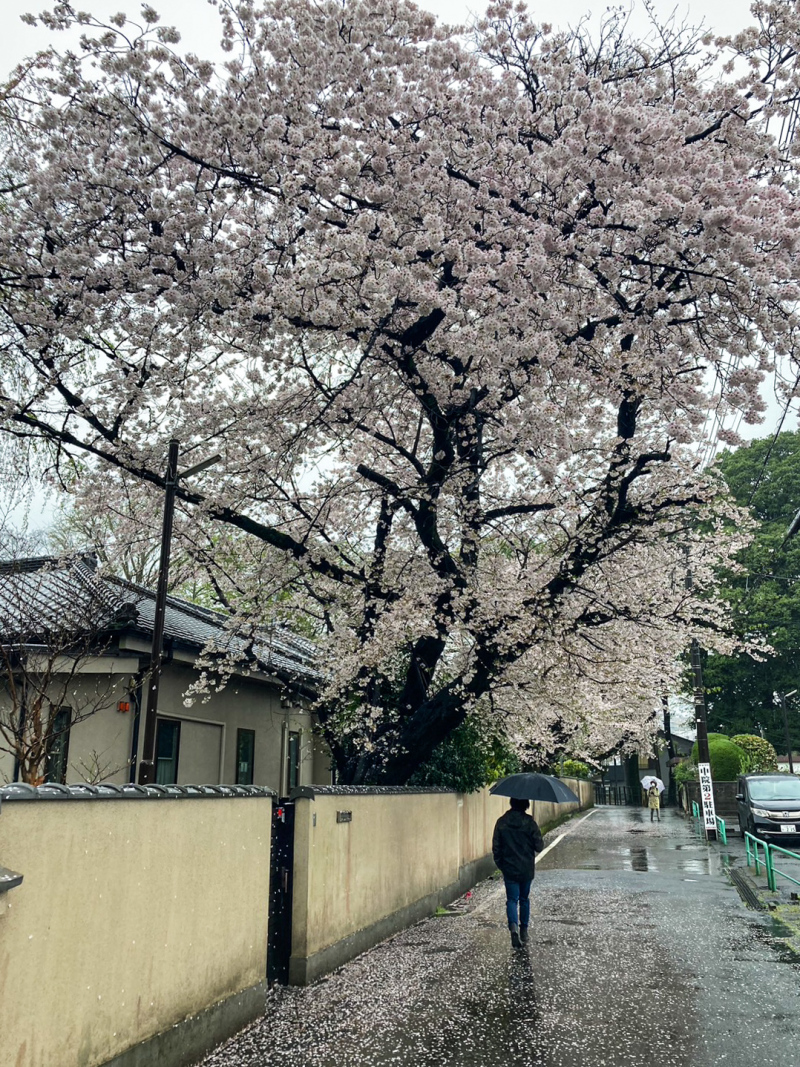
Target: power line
x=784, y=413
x=777, y=577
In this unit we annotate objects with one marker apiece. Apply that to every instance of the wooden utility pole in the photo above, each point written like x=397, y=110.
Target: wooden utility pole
x=782, y=697
x=701, y=723
x=703, y=756
x=672, y=797
x=147, y=767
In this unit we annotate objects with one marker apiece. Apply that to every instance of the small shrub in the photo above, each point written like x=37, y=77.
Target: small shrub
x=763, y=757
x=575, y=768
x=684, y=772
x=727, y=759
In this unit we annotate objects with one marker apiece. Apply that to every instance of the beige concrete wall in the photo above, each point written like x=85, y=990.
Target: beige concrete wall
x=479, y=812
x=396, y=850
x=133, y=915
x=546, y=814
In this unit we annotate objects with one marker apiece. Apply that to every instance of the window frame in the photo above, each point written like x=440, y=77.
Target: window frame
x=293, y=737
x=59, y=740
x=241, y=732
x=166, y=719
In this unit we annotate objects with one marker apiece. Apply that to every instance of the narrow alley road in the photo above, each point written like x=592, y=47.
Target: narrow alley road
x=641, y=952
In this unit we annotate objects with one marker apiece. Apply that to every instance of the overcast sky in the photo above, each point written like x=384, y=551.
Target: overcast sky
x=198, y=22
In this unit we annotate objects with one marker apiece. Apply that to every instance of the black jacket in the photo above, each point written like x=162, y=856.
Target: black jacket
x=516, y=840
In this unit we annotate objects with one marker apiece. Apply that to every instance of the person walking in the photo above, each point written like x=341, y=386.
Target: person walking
x=515, y=842
x=654, y=801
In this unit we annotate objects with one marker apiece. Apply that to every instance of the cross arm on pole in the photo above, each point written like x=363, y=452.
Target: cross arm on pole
x=199, y=466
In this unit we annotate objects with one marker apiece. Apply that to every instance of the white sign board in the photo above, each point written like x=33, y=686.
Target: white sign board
x=707, y=796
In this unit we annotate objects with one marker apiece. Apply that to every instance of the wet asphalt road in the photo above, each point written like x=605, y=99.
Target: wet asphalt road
x=641, y=952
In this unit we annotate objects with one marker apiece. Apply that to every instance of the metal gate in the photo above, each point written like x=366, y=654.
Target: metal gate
x=612, y=794
x=279, y=947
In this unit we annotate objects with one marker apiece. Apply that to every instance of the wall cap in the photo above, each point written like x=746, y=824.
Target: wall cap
x=129, y=791
x=9, y=879
x=301, y=792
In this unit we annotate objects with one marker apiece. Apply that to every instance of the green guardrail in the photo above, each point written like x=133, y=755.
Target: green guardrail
x=752, y=845
x=784, y=852
x=721, y=828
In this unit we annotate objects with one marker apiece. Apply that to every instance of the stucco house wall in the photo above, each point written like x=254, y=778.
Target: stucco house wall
x=103, y=743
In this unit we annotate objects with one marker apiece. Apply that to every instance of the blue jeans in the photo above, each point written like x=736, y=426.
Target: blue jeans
x=518, y=895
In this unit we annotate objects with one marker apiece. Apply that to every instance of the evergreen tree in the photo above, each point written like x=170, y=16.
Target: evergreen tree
x=765, y=596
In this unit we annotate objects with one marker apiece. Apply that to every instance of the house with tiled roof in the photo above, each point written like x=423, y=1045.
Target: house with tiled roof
x=256, y=729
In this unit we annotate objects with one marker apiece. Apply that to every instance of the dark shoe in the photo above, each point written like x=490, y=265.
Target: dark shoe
x=523, y=934
x=515, y=941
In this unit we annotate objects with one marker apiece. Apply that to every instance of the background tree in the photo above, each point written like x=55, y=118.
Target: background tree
x=126, y=539
x=685, y=771
x=764, y=594
x=762, y=756
x=467, y=760
x=448, y=314
x=727, y=759
x=742, y=754
x=573, y=768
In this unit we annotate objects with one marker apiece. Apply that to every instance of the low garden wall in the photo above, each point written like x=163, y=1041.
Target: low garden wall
x=138, y=933
x=369, y=862
x=724, y=799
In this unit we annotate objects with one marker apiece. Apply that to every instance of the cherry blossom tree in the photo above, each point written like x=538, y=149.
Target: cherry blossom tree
x=454, y=309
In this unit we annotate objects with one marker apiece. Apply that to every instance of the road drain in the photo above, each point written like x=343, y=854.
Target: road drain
x=744, y=889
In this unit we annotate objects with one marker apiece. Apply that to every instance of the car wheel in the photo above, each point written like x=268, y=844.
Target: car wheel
x=751, y=828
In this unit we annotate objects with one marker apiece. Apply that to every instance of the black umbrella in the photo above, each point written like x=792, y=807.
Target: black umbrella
x=535, y=787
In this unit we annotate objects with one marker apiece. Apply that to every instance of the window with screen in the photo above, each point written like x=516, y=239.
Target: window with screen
x=58, y=745
x=245, y=749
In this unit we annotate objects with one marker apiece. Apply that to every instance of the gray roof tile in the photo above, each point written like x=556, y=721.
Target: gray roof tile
x=41, y=593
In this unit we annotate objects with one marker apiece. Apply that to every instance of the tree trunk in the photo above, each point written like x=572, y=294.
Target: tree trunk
x=396, y=761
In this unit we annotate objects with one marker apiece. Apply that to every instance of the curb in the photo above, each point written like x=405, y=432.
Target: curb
x=784, y=916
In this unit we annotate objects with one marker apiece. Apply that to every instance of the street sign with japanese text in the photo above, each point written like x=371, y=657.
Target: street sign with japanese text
x=707, y=796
